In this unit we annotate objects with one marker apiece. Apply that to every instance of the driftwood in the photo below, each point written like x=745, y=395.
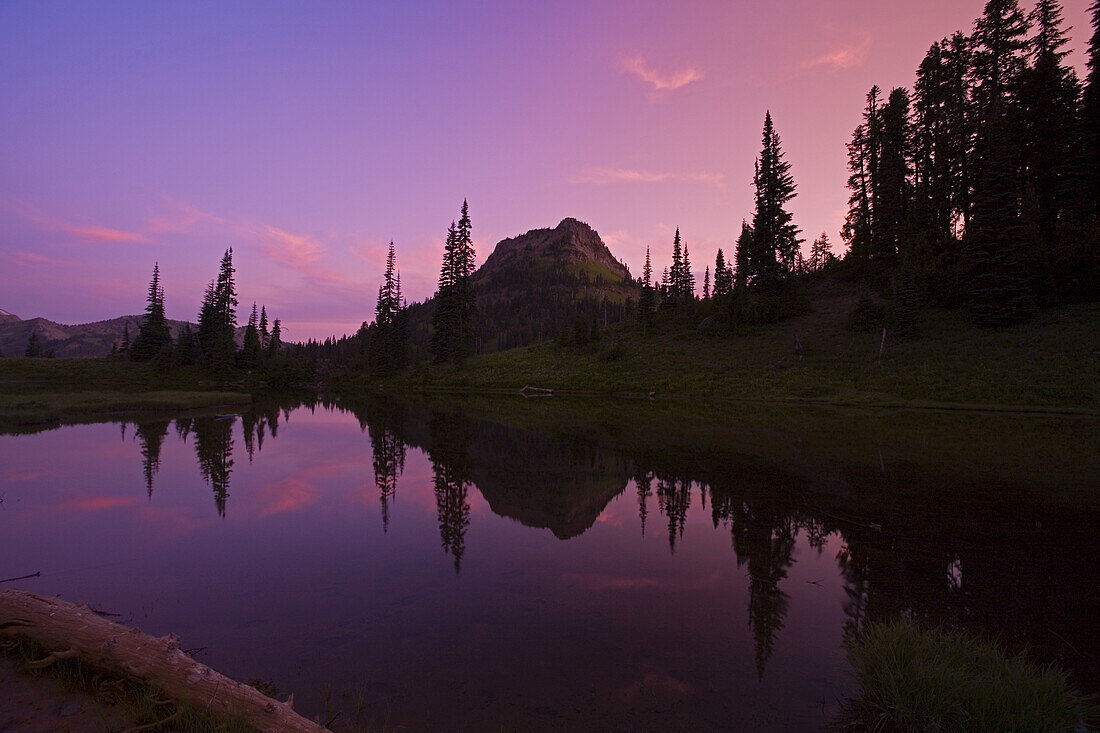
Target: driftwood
x=73, y=631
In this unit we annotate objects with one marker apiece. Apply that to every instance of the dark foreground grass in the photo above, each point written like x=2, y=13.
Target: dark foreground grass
x=49, y=392
x=923, y=679
x=1049, y=362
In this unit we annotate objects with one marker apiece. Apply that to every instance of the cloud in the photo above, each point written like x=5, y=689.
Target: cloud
x=182, y=218
x=300, y=253
x=602, y=176
x=33, y=258
x=104, y=234
x=637, y=66
x=846, y=57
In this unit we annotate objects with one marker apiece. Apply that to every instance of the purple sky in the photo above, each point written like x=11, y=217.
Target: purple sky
x=308, y=135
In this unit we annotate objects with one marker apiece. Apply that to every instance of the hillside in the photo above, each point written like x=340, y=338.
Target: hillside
x=538, y=286
x=1050, y=361
x=81, y=341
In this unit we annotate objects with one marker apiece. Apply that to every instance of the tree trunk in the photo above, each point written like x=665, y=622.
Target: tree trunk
x=75, y=631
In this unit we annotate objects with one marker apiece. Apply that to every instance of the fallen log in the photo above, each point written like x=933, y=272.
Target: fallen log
x=72, y=631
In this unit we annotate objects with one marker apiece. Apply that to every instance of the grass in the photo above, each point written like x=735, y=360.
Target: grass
x=922, y=679
x=1048, y=362
x=49, y=392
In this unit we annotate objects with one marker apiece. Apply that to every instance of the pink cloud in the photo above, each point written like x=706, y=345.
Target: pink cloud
x=182, y=218
x=637, y=66
x=33, y=258
x=300, y=253
x=602, y=176
x=846, y=57
x=104, y=234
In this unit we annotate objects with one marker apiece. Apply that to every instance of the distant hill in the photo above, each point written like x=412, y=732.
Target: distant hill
x=81, y=341
x=541, y=285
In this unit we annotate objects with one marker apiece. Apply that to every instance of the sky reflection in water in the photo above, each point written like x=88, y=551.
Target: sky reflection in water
x=450, y=571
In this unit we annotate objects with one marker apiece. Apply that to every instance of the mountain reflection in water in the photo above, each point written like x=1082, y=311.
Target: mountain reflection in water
x=1000, y=545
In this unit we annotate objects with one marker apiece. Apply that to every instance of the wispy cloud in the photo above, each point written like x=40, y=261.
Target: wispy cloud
x=845, y=57
x=34, y=258
x=602, y=176
x=181, y=218
x=660, y=82
x=104, y=234
x=300, y=253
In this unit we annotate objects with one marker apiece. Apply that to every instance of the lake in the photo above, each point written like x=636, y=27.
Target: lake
x=548, y=564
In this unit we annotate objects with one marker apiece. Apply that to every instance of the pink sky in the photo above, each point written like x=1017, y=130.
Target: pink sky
x=308, y=136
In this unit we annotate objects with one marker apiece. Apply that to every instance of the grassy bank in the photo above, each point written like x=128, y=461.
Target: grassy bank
x=914, y=678
x=1047, y=362
x=37, y=392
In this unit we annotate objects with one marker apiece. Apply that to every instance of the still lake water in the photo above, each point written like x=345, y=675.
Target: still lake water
x=554, y=564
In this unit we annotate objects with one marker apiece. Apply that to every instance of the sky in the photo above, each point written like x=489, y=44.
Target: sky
x=307, y=136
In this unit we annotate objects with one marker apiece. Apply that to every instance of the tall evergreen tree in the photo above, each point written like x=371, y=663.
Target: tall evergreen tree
x=154, y=341
x=743, y=249
x=706, y=283
x=387, y=347
x=995, y=262
x=275, y=343
x=677, y=282
x=647, y=300
x=723, y=277
x=1090, y=123
x=775, y=238
x=863, y=161
x=941, y=142
x=1049, y=94
x=891, y=186
x=251, y=349
x=265, y=333
x=688, y=285
x=218, y=317
x=453, y=318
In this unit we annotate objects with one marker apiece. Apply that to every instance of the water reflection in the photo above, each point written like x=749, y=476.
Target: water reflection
x=886, y=529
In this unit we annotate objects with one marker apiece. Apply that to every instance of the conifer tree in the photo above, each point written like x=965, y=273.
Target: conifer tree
x=1049, y=94
x=743, y=247
x=775, y=239
x=723, y=278
x=154, y=341
x=275, y=343
x=688, y=286
x=706, y=283
x=820, y=252
x=186, y=351
x=386, y=351
x=995, y=263
x=1090, y=125
x=34, y=347
x=676, y=280
x=453, y=318
x=250, y=353
x=647, y=301
x=265, y=333
x=218, y=317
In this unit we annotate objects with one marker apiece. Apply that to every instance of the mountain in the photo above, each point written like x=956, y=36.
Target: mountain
x=84, y=340
x=538, y=286
x=6, y=317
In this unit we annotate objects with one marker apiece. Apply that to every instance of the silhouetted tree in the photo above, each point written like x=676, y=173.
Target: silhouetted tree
x=453, y=318
x=647, y=300
x=218, y=317
x=775, y=239
x=251, y=351
x=214, y=449
x=995, y=263
x=387, y=338
x=154, y=341
x=723, y=276
x=34, y=347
